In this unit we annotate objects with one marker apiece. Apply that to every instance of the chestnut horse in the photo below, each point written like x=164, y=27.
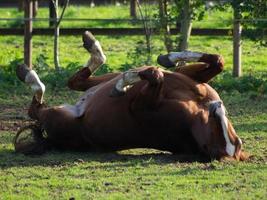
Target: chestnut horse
x=145, y=107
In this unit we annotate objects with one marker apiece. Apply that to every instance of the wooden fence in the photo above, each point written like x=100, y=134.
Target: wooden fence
x=28, y=32
x=111, y=31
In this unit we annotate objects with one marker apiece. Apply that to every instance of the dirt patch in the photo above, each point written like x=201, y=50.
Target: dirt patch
x=11, y=119
x=13, y=125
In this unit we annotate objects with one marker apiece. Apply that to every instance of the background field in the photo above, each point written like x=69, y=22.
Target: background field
x=211, y=20
x=132, y=174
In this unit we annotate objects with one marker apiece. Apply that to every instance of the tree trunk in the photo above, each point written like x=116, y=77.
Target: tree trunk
x=165, y=28
x=56, y=38
x=133, y=8
x=186, y=26
x=237, y=50
x=35, y=8
x=21, y=5
x=148, y=31
x=51, y=14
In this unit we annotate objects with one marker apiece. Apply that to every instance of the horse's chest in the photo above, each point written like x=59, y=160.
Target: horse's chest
x=83, y=102
x=80, y=107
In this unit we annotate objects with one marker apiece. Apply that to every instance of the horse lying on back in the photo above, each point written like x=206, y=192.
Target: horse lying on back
x=145, y=107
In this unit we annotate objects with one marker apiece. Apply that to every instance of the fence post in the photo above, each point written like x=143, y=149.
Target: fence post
x=28, y=14
x=237, y=49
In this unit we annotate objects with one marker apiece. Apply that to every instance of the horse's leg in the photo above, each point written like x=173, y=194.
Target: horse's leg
x=58, y=122
x=210, y=66
x=62, y=129
x=81, y=80
x=31, y=78
x=149, y=96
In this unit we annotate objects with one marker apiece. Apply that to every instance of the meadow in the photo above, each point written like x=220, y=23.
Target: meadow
x=213, y=19
x=135, y=173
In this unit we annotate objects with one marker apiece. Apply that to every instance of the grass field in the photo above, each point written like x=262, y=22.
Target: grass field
x=139, y=173
x=212, y=19
x=117, y=47
x=134, y=174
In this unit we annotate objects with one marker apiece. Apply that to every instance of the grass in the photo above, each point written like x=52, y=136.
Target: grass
x=116, y=48
x=212, y=18
x=99, y=12
x=139, y=173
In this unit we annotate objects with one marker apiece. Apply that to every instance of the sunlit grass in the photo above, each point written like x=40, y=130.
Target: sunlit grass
x=141, y=173
x=117, y=48
x=130, y=174
x=211, y=19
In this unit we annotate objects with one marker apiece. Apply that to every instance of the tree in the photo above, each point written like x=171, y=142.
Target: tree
x=164, y=24
x=145, y=14
x=183, y=12
x=35, y=7
x=248, y=13
x=133, y=8
x=186, y=25
x=56, y=31
x=253, y=13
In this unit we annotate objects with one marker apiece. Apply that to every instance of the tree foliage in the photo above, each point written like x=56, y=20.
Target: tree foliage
x=183, y=12
x=254, y=14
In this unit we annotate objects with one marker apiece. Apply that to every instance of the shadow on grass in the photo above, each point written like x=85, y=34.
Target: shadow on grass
x=9, y=159
x=132, y=157
x=127, y=158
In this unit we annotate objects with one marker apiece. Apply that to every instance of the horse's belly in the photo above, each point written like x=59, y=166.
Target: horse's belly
x=116, y=127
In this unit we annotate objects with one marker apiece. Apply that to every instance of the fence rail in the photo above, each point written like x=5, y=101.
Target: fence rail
x=111, y=31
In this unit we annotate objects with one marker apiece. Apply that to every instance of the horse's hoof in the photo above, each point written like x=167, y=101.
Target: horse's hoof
x=116, y=93
x=21, y=71
x=153, y=75
x=88, y=40
x=164, y=61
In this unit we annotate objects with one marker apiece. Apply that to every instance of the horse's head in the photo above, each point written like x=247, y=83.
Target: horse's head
x=223, y=142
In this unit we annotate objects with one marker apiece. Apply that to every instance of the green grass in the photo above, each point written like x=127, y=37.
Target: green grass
x=131, y=174
x=138, y=174
x=141, y=173
x=212, y=19
x=116, y=48
x=215, y=19
x=99, y=12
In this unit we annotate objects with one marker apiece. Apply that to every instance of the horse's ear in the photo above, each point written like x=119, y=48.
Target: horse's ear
x=30, y=142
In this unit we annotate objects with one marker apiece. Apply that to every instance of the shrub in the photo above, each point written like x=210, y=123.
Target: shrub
x=256, y=82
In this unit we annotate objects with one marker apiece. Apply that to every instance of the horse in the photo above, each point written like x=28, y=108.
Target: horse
x=145, y=107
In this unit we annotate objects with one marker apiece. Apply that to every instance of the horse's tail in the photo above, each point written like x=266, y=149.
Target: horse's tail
x=31, y=143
